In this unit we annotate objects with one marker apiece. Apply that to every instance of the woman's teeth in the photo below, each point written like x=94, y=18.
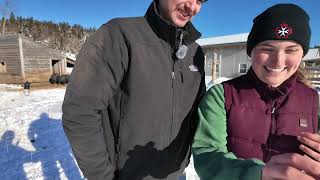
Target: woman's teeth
x=275, y=69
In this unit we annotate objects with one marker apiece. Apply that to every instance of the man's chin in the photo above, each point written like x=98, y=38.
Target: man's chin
x=180, y=23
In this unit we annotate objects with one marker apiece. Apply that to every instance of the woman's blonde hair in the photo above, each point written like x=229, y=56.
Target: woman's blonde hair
x=302, y=76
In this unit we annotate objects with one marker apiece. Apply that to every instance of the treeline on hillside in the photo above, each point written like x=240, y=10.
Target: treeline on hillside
x=61, y=36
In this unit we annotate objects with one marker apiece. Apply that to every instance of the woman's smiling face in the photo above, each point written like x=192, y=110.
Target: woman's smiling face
x=275, y=61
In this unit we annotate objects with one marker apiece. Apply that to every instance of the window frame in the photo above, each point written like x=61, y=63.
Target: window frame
x=241, y=69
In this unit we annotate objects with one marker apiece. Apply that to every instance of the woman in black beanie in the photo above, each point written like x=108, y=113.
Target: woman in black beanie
x=263, y=125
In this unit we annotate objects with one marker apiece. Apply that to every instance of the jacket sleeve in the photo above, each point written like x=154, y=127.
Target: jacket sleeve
x=211, y=157
x=98, y=71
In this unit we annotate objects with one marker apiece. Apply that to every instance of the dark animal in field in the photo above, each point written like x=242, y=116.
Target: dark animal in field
x=64, y=79
x=54, y=78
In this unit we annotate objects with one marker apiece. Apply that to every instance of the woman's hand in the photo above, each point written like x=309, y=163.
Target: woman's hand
x=310, y=144
x=291, y=166
x=311, y=147
x=295, y=166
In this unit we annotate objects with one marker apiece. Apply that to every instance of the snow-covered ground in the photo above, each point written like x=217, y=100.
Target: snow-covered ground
x=210, y=82
x=33, y=144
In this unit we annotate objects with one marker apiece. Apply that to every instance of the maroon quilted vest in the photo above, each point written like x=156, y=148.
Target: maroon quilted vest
x=263, y=121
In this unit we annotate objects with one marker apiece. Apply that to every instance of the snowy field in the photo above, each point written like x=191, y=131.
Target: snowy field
x=33, y=145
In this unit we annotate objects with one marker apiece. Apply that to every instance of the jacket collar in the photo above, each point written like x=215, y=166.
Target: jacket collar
x=168, y=32
x=269, y=93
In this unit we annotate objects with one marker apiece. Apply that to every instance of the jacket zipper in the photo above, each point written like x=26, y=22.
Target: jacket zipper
x=173, y=77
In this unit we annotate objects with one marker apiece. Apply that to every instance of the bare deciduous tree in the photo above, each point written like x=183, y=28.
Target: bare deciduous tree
x=6, y=8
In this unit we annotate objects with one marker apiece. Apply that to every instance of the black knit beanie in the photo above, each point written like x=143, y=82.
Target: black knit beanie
x=281, y=22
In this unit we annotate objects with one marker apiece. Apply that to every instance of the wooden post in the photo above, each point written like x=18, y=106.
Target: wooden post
x=214, y=70
x=3, y=24
x=214, y=66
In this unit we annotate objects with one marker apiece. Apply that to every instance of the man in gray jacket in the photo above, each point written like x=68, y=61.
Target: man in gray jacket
x=130, y=107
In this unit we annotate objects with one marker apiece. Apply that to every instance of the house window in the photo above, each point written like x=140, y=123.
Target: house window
x=3, y=68
x=243, y=68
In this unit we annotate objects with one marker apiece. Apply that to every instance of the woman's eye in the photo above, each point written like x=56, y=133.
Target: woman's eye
x=291, y=50
x=266, y=49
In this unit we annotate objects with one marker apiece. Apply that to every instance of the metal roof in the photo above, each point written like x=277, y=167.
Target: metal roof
x=312, y=54
x=230, y=39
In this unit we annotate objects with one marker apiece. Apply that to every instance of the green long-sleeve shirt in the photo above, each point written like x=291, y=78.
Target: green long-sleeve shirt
x=212, y=160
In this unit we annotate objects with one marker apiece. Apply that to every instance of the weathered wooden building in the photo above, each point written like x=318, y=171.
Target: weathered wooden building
x=22, y=59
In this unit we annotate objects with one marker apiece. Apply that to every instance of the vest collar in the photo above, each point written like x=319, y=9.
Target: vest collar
x=168, y=32
x=269, y=93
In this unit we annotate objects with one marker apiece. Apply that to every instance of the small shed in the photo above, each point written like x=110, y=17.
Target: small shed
x=22, y=59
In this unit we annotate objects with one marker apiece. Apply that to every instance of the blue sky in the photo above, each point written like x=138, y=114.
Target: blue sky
x=217, y=17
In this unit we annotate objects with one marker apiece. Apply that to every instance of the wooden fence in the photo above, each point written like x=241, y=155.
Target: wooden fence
x=313, y=75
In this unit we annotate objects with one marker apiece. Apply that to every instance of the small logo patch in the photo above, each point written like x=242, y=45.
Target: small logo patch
x=283, y=31
x=193, y=68
x=303, y=122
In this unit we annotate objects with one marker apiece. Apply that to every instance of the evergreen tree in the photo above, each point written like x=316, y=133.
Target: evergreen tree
x=60, y=36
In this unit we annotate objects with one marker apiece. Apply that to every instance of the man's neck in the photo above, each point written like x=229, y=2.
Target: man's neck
x=161, y=13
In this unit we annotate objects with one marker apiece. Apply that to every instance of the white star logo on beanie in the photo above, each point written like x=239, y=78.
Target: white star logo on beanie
x=283, y=31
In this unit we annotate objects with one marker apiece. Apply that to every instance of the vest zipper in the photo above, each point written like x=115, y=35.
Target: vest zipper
x=272, y=131
x=273, y=121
